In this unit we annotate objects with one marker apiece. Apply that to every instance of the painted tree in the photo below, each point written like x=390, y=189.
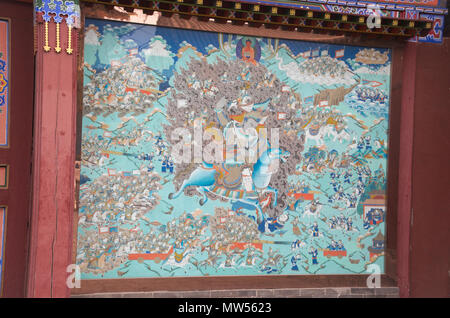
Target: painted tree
x=111, y=48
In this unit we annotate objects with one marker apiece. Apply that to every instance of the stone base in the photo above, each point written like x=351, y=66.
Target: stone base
x=341, y=292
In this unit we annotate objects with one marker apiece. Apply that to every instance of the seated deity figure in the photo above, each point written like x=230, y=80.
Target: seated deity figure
x=248, y=53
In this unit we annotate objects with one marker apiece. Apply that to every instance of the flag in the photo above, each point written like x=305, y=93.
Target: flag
x=308, y=100
x=103, y=229
x=323, y=103
x=126, y=173
x=324, y=53
x=306, y=54
x=281, y=115
x=181, y=103
x=315, y=53
x=112, y=172
x=113, y=229
x=339, y=53
x=132, y=52
x=115, y=63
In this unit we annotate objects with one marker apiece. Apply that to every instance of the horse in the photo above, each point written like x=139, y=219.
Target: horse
x=204, y=179
x=340, y=135
x=318, y=134
x=315, y=133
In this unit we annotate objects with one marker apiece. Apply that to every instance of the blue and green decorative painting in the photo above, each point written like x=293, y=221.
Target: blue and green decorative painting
x=59, y=10
x=311, y=199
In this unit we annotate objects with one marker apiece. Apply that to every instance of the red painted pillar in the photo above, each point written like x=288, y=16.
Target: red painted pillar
x=405, y=169
x=53, y=164
x=19, y=110
x=430, y=219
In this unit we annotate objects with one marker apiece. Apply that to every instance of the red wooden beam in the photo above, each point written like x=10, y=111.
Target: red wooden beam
x=53, y=166
x=405, y=169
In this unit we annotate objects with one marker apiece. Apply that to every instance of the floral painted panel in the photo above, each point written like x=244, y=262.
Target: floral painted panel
x=4, y=81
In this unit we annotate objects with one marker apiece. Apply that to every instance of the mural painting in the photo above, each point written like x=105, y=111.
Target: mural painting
x=207, y=154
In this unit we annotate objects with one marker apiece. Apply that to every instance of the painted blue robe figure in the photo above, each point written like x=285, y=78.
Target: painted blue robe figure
x=313, y=252
x=269, y=270
x=360, y=186
x=367, y=172
x=342, y=220
x=340, y=193
x=269, y=225
x=377, y=216
x=360, y=145
x=167, y=165
x=333, y=222
x=294, y=260
x=359, y=172
x=146, y=156
x=366, y=223
x=334, y=182
x=367, y=144
x=349, y=224
x=296, y=244
x=347, y=176
x=333, y=246
x=315, y=230
x=159, y=143
x=352, y=201
x=340, y=246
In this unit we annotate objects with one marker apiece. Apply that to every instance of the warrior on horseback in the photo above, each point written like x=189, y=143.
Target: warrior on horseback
x=209, y=178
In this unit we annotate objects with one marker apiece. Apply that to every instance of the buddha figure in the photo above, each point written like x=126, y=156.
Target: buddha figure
x=248, y=53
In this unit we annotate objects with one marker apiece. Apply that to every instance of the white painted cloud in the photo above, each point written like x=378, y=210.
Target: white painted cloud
x=384, y=70
x=157, y=48
x=157, y=55
x=91, y=38
x=295, y=72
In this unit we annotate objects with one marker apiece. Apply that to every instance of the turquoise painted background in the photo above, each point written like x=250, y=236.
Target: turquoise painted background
x=330, y=104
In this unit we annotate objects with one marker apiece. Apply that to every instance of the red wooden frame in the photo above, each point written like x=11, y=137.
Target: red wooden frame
x=53, y=172
x=405, y=169
x=392, y=236
x=18, y=153
x=52, y=226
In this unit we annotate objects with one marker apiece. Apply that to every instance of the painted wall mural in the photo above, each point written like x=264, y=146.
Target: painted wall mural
x=218, y=154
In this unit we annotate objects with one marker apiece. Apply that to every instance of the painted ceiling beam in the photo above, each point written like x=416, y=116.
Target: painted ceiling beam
x=398, y=20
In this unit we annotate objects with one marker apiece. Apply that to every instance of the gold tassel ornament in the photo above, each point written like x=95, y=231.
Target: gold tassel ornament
x=46, y=46
x=69, y=49
x=58, y=47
